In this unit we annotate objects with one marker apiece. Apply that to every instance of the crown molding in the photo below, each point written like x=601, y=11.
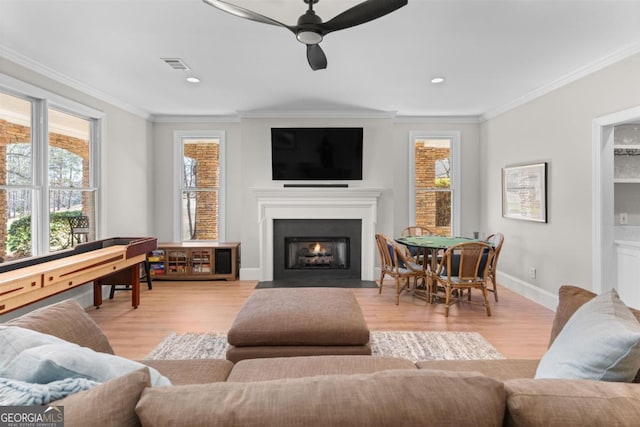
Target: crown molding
x=439, y=119
x=56, y=76
x=317, y=114
x=226, y=118
x=598, y=65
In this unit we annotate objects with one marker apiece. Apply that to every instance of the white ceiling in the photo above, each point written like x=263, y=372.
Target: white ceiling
x=492, y=53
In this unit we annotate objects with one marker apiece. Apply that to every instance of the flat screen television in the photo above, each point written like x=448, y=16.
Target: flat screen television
x=316, y=153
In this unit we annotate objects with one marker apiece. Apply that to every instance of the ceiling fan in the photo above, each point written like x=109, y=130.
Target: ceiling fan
x=310, y=29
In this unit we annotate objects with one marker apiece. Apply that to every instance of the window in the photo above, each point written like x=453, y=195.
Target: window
x=46, y=173
x=200, y=197
x=70, y=190
x=434, y=201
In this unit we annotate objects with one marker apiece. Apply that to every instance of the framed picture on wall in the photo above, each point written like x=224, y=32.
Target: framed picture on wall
x=524, y=192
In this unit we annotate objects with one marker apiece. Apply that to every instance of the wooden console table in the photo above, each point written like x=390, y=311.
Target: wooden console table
x=195, y=261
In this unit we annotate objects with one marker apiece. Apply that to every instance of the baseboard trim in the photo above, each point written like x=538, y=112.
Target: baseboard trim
x=529, y=291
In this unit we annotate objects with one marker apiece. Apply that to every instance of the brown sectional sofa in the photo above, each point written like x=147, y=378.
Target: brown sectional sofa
x=337, y=390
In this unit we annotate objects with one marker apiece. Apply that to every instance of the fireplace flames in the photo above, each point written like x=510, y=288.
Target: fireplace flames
x=315, y=255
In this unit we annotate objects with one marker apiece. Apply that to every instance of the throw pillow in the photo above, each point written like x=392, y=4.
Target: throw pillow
x=110, y=404
x=33, y=357
x=601, y=341
x=571, y=298
x=66, y=320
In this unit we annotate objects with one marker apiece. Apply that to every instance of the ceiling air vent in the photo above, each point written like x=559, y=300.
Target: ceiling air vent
x=176, y=63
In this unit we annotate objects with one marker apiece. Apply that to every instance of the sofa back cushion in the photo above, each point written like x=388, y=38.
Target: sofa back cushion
x=568, y=403
x=571, y=298
x=66, y=320
x=388, y=398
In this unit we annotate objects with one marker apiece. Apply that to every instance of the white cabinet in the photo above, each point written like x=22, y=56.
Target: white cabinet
x=628, y=260
x=626, y=150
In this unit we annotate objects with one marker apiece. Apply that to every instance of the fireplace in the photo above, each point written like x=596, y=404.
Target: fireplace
x=316, y=248
x=275, y=204
x=304, y=253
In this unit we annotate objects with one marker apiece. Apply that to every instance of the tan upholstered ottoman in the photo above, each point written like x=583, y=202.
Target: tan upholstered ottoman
x=286, y=322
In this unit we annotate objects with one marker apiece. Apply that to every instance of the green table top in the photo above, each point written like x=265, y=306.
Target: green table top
x=434, y=242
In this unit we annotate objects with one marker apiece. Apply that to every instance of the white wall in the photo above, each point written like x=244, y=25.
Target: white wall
x=556, y=128
x=470, y=166
x=248, y=165
x=163, y=172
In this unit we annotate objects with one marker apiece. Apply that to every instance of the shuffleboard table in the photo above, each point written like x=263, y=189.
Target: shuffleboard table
x=25, y=281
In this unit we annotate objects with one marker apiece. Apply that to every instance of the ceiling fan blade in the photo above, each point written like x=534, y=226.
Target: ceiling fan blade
x=316, y=57
x=243, y=13
x=361, y=13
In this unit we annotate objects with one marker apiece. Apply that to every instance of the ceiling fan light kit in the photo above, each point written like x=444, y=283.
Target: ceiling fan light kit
x=310, y=29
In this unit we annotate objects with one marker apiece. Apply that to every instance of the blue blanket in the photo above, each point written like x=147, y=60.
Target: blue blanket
x=21, y=393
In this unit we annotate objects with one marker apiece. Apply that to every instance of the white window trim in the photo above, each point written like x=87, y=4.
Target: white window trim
x=454, y=136
x=178, y=136
x=43, y=99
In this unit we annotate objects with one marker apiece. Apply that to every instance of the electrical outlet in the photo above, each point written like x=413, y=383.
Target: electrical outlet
x=532, y=272
x=623, y=218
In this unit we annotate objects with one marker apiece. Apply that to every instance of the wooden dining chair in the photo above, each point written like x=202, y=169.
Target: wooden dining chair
x=416, y=230
x=397, y=262
x=496, y=240
x=464, y=267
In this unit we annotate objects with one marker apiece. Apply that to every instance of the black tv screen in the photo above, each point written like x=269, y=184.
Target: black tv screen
x=316, y=153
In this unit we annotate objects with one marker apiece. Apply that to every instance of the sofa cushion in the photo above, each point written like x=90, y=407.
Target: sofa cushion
x=66, y=320
x=236, y=354
x=110, y=404
x=309, y=366
x=571, y=298
x=389, y=398
x=501, y=370
x=568, y=403
x=601, y=341
x=34, y=357
x=192, y=371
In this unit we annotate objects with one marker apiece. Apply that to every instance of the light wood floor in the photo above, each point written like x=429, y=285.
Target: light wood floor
x=518, y=327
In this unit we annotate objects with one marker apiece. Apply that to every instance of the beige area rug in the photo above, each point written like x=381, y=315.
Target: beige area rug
x=414, y=346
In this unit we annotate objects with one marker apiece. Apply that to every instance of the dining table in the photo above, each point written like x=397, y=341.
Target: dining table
x=430, y=245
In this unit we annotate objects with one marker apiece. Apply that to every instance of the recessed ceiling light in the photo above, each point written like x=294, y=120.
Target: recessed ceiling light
x=193, y=80
x=437, y=80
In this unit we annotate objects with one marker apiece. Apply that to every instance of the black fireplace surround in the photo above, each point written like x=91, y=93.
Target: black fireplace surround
x=317, y=249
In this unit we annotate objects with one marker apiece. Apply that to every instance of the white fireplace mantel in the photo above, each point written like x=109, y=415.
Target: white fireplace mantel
x=317, y=203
